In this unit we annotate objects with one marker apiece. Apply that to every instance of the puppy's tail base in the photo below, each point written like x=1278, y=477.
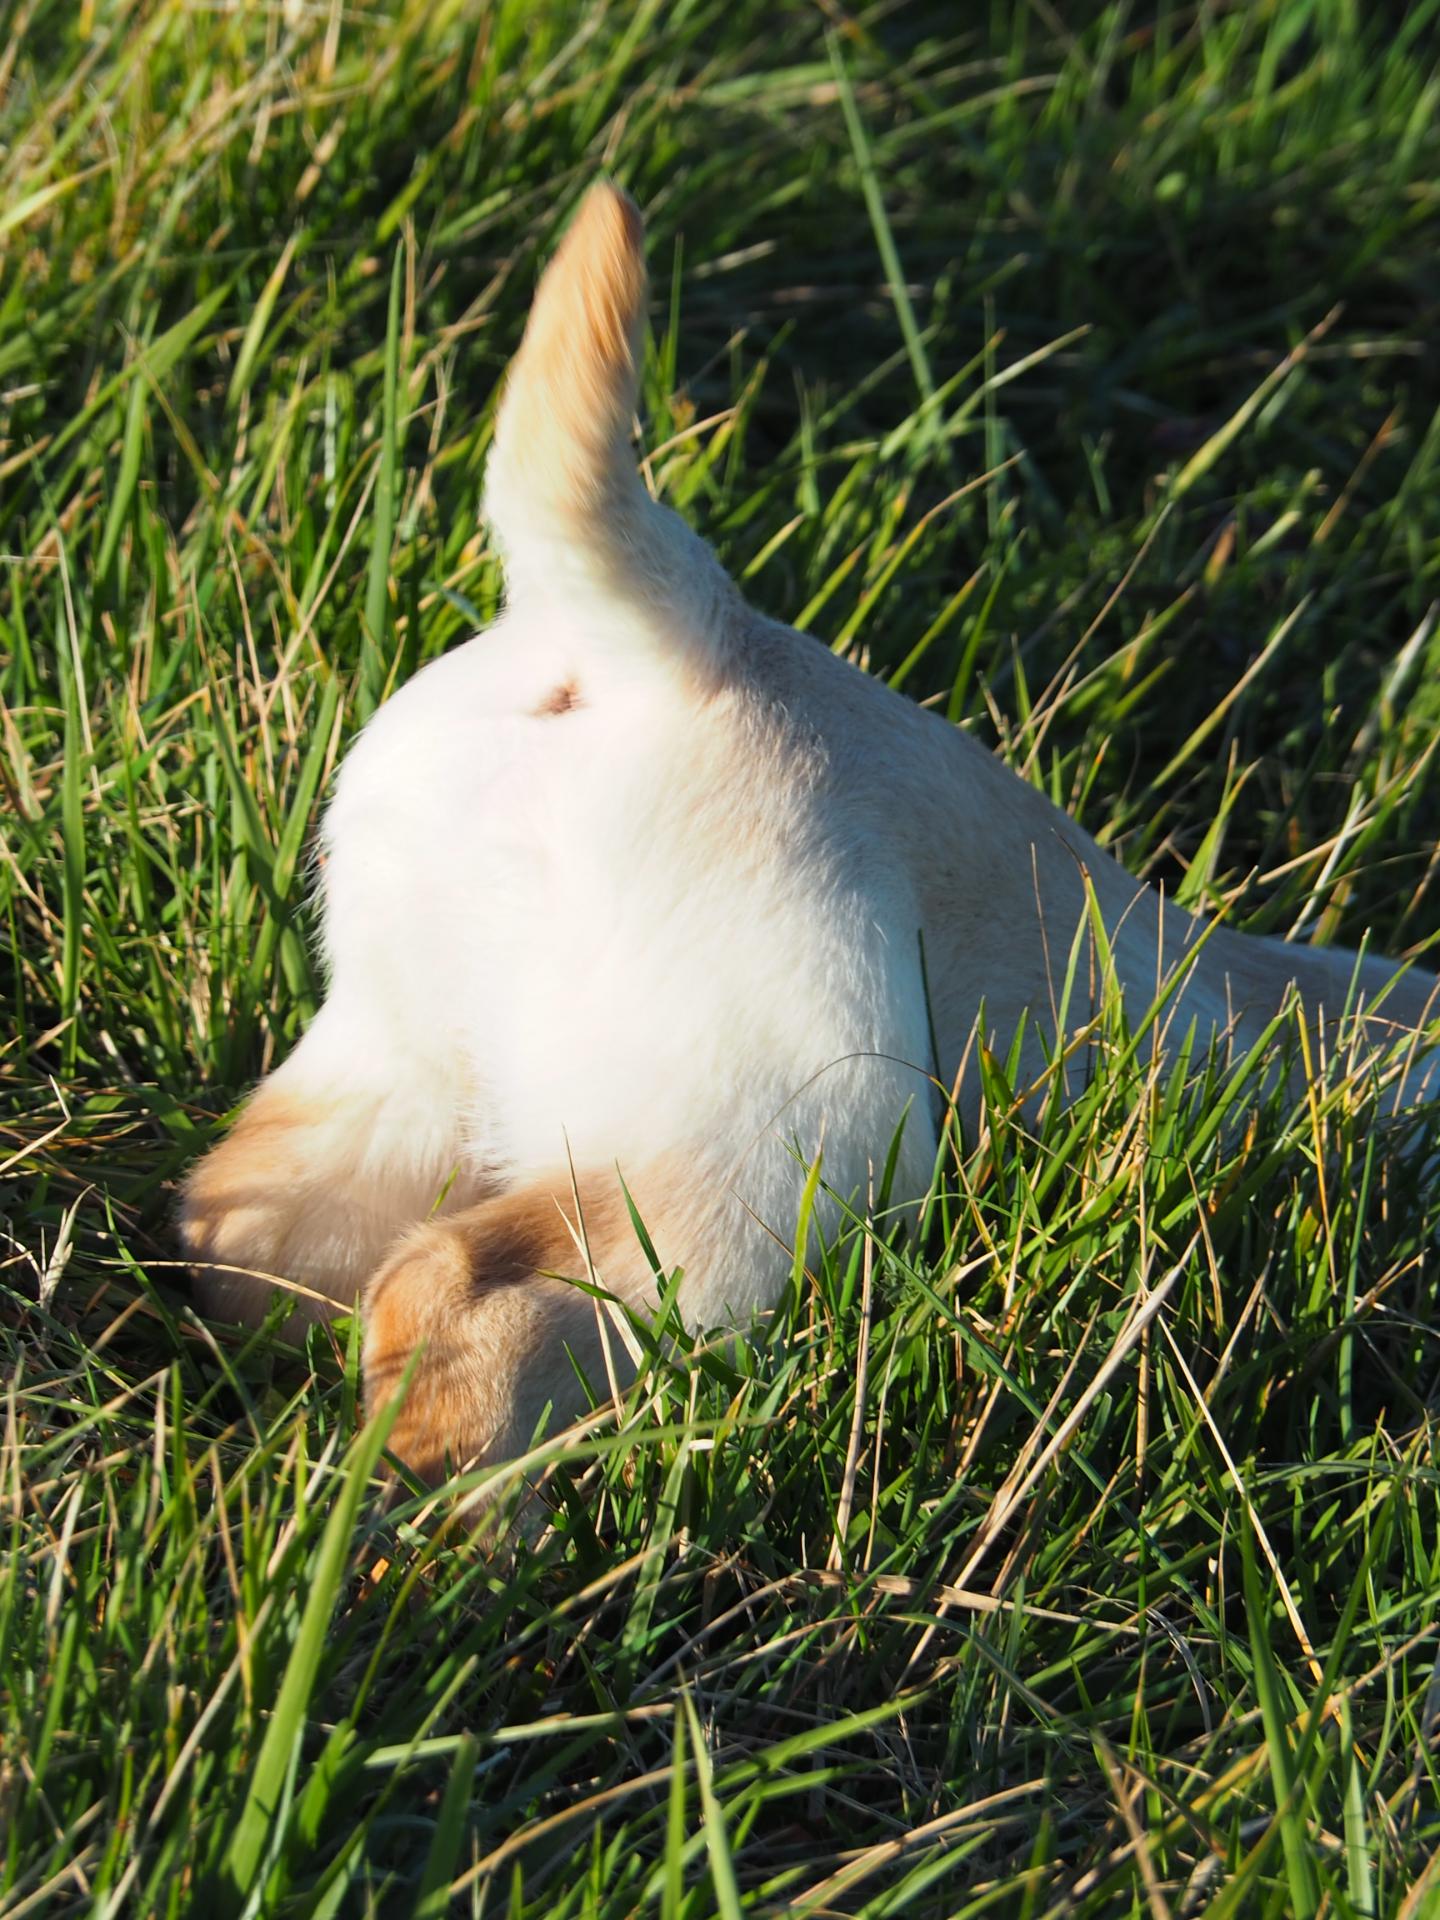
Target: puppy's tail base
x=562, y=493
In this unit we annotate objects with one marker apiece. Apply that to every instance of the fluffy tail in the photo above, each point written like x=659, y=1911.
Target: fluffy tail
x=562, y=493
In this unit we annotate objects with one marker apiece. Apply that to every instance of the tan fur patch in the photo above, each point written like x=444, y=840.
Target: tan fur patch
x=570, y=391
x=472, y=1302
x=256, y=1152
x=233, y=1216
x=304, y=1196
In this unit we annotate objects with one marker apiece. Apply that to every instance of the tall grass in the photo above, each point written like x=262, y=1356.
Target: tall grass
x=1072, y=368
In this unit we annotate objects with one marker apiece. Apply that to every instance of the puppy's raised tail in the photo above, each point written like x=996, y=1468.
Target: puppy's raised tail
x=562, y=493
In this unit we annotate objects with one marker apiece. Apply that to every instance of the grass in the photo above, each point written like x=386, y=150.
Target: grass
x=1071, y=367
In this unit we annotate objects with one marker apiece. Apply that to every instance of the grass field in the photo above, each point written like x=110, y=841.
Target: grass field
x=1071, y=366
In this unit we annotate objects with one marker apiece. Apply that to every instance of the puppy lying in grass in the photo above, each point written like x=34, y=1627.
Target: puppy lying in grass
x=641, y=885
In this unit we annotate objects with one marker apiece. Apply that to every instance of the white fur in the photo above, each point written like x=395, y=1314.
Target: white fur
x=655, y=933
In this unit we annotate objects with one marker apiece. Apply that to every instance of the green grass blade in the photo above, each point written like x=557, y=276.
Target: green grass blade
x=433, y=1899
x=377, y=586
x=717, y=1844
x=247, y=1844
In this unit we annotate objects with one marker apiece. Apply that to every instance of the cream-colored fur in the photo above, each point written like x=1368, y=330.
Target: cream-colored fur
x=637, y=882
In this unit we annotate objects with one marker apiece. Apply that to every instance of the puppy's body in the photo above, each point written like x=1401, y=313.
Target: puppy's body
x=640, y=880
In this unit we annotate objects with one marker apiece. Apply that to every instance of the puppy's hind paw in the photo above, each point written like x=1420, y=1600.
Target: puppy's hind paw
x=495, y=1340
x=419, y=1313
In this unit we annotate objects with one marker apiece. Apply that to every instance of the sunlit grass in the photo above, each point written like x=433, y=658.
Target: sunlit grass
x=1079, y=1557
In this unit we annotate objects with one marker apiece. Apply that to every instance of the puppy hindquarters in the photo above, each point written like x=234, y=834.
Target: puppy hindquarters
x=314, y=1186
x=494, y=1334
x=329, y=1160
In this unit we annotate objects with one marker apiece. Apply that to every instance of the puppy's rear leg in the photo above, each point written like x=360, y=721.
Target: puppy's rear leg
x=346, y=1144
x=476, y=1297
x=1390, y=1008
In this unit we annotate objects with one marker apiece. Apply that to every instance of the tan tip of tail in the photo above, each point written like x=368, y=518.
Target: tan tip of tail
x=562, y=437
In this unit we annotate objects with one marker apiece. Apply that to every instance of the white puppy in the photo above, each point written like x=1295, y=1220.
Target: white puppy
x=640, y=883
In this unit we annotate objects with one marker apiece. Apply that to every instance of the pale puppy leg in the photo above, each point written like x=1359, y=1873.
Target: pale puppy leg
x=336, y=1153
x=495, y=1337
